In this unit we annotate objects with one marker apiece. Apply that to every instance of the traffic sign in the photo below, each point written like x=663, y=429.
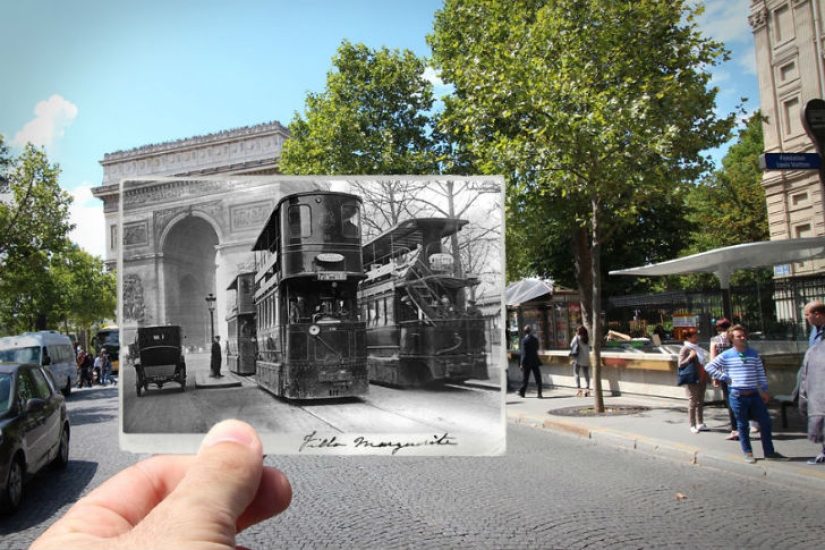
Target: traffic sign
x=790, y=161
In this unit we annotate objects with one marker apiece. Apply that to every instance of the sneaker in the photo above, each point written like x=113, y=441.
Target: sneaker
x=819, y=459
x=703, y=428
x=734, y=435
x=749, y=458
x=694, y=429
x=776, y=456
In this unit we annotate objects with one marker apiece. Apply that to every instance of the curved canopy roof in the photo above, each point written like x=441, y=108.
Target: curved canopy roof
x=724, y=261
x=525, y=290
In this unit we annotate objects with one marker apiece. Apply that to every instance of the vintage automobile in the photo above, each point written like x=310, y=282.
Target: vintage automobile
x=34, y=428
x=157, y=355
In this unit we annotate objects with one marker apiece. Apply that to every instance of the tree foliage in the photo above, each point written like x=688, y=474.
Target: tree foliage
x=594, y=108
x=372, y=118
x=45, y=280
x=375, y=117
x=728, y=207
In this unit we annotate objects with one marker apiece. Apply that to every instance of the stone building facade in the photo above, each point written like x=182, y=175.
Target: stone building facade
x=187, y=238
x=187, y=226
x=788, y=37
x=251, y=150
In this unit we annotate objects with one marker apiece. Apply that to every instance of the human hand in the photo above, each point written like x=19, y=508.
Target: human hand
x=200, y=501
x=765, y=397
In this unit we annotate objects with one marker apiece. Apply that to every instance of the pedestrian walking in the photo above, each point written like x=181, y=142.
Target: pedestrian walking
x=100, y=360
x=107, y=369
x=812, y=396
x=580, y=352
x=719, y=344
x=86, y=368
x=530, y=361
x=692, y=375
x=742, y=369
x=815, y=315
x=216, y=358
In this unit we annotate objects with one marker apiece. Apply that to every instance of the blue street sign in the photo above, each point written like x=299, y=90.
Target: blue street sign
x=790, y=161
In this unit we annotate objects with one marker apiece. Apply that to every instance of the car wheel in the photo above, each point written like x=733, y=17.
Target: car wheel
x=13, y=494
x=62, y=458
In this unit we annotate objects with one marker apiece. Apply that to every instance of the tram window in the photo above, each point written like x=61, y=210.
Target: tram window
x=300, y=221
x=378, y=312
x=349, y=219
x=388, y=310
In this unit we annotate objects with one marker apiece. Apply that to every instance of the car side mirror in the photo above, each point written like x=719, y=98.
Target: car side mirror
x=47, y=360
x=35, y=404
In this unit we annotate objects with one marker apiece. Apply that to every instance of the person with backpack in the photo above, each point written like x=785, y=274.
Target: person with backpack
x=580, y=352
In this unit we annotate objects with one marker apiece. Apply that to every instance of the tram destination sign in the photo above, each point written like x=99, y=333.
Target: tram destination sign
x=790, y=161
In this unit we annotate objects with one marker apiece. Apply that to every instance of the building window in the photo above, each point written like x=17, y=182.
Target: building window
x=799, y=199
x=791, y=115
x=803, y=230
x=113, y=237
x=783, y=24
x=788, y=72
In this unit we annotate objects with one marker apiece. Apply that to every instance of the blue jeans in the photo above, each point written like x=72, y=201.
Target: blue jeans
x=751, y=406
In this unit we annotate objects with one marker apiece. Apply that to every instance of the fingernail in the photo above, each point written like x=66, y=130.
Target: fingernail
x=229, y=430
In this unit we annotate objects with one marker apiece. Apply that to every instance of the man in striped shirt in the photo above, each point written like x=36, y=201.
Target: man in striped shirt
x=741, y=368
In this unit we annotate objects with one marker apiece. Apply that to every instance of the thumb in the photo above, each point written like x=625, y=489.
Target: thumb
x=204, y=508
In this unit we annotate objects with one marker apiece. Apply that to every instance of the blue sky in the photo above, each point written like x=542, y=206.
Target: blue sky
x=88, y=77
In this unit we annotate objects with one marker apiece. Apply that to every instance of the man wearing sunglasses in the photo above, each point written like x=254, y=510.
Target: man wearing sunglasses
x=741, y=368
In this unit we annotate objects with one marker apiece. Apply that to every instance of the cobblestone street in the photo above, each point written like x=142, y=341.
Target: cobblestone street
x=550, y=491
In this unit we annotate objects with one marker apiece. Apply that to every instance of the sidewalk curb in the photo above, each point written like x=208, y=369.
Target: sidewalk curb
x=733, y=463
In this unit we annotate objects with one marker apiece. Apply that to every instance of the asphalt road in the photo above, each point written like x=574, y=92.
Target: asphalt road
x=550, y=491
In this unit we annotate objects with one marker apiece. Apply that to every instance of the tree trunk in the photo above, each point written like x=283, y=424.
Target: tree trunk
x=596, y=307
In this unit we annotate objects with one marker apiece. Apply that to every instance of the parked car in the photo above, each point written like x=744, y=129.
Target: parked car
x=34, y=428
x=47, y=348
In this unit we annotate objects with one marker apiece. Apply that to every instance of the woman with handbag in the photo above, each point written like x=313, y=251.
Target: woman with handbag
x=580, y=352
x=692, y=374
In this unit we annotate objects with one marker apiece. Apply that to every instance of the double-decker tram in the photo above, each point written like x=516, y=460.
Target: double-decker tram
x=421, y=327
x=311, y=341
x=240, y=345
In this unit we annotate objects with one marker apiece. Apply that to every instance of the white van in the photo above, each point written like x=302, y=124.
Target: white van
x=48, y=348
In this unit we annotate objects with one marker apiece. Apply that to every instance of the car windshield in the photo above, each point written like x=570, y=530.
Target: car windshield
x=21, y=355
x=5, y=392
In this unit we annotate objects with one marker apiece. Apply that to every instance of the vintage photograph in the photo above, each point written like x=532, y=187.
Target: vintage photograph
x=337, y=314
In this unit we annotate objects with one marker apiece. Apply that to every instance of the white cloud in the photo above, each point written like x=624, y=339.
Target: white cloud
x=86, y=213
x=726, y=20
x=52, y=117
x=439, y=87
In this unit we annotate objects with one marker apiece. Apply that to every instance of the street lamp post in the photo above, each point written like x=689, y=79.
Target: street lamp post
x=210, y=303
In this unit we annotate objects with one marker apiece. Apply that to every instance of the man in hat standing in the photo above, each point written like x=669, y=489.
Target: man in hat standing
x=216, y=358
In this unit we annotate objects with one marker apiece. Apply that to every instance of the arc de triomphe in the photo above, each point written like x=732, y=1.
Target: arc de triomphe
x=190, y=214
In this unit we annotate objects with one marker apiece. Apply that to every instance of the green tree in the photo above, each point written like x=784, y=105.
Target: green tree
x=595, y=106
x=45, y=280
x=727, y=208
x=89, y=291
x=371, y=119
x=35, y=215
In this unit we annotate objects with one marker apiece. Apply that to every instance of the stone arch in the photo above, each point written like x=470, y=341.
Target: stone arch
x=189, y=246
